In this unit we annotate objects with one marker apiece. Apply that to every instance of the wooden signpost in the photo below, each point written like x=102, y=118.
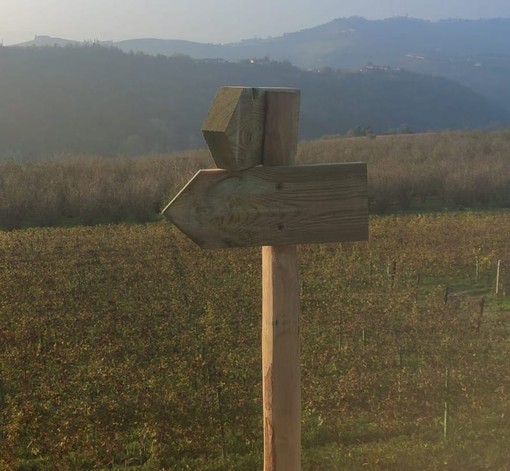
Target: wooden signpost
x=260, y=198
x=271, y=206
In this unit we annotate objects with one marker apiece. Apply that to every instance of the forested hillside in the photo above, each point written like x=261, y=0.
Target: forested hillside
x=472, y=52
x=99, y=100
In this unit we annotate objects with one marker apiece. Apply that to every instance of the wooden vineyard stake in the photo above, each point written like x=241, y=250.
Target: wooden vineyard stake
x=498, y=272
x=260, y=198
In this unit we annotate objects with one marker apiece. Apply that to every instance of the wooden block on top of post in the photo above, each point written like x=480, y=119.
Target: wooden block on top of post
x=234, y=127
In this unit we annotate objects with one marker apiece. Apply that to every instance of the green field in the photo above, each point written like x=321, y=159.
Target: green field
x=127, y=347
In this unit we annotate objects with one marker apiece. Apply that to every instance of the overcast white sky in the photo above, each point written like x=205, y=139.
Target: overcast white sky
x=212, y=20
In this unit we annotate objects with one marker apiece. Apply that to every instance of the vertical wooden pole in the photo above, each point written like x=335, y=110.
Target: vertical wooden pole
x=498, y=272
x=281, y=377
x=446, y=401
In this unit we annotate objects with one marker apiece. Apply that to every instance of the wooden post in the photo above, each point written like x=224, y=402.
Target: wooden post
x=281, y=377
x=498, y=273
x=446, y=401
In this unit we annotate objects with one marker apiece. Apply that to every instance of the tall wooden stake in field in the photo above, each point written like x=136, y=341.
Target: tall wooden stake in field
x=261, y=199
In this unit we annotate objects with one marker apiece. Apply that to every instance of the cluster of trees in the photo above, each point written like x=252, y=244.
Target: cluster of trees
x=101, y=101
x=452, y=170
x=91, y=190
x=447, y=170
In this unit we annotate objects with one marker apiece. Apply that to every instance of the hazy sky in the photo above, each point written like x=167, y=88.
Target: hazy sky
x=212, y=20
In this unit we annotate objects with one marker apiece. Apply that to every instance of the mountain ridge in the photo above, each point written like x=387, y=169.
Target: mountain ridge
x=471, y=52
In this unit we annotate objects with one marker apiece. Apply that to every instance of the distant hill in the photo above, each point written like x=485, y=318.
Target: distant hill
x=99, y=100
x=473, y=52
x=173, y=47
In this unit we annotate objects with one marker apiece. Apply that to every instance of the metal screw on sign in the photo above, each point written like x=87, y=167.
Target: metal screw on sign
x=259, y=198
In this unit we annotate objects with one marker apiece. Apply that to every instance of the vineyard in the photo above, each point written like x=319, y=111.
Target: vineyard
x=127, y=347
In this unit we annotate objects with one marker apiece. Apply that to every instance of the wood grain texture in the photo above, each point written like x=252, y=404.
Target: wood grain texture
x=281, y=126
x=238, y=126
x=281, y=377
x=234, y=127
x=274, y=206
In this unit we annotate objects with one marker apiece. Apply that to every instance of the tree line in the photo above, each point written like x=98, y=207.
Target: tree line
x=99, y=100
x=407, y=172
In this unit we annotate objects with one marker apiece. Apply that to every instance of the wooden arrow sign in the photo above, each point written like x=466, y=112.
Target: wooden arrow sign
x=274, y=206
